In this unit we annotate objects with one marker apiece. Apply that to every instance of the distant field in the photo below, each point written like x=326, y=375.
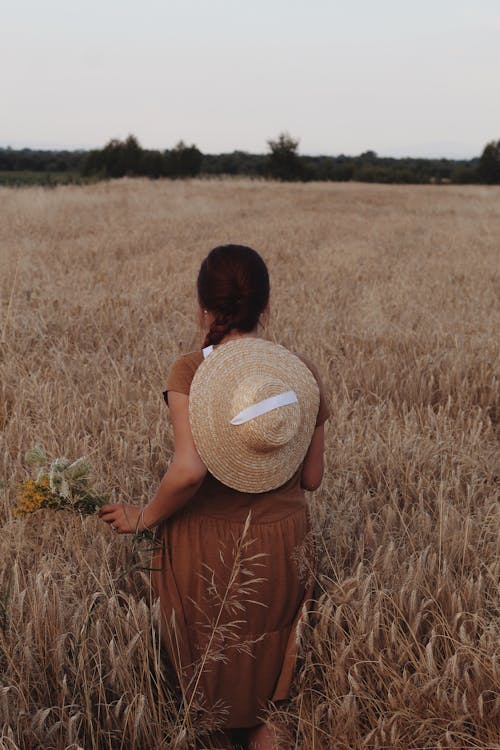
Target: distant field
x=393, y=293
x=26, y=177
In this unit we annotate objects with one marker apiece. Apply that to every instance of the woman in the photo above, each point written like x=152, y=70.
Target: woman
x=230, y=590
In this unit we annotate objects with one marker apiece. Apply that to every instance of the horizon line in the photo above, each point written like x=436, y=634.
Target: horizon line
x=379, y=155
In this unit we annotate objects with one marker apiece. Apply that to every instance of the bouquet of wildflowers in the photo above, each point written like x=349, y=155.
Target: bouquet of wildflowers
x=64, y=485
x=61, y=485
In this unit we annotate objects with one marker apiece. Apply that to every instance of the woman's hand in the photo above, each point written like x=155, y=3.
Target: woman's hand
x=181, y=481
x=122, y=518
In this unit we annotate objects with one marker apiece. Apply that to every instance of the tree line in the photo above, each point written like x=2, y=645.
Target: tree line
x=282, y=162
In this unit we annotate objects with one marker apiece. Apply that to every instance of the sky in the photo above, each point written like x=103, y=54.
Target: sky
x=399, y=77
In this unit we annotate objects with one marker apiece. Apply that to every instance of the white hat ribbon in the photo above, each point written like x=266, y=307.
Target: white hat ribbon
x=261, y=407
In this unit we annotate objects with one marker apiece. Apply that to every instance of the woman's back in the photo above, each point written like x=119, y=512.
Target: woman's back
x=220, y=565
x=217, y=499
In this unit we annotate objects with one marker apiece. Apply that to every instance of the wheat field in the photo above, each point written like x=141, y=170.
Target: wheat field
x=393, y=293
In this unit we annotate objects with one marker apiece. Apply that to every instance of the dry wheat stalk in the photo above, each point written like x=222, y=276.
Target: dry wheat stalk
x=394, y=296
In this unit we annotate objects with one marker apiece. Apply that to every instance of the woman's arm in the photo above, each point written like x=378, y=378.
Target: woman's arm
x=312, y=470
x=183, y=477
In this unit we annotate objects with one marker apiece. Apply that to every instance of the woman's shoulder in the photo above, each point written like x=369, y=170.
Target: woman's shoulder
x=181, y=372
x=189, y=359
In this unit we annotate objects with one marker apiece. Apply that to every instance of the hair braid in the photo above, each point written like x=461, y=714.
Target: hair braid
x=221, y=325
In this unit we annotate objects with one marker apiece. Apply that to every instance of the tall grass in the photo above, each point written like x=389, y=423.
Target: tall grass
x=393, y=293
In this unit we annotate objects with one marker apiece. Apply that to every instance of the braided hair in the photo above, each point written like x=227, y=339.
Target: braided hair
x=233, y=284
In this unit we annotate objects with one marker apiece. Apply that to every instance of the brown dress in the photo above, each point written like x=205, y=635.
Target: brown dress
x=231, y=595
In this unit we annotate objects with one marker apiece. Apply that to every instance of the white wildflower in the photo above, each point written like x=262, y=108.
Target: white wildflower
x=56, y=473
x=36, y=456
x=64, y=489
x=78, y=470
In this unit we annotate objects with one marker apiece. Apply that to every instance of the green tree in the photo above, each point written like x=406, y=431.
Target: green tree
x=152, y=164
x=368, y=157
x=183, y=161
x=489, y=164
x=283, y=161
x=116, y=159
x=132, y=153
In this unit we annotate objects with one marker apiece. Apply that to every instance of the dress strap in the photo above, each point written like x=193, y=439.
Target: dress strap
x=206, y=351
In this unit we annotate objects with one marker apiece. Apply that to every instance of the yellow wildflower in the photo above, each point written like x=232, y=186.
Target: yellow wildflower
x=33, y=495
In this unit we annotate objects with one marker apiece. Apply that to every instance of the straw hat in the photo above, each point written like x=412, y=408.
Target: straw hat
x=252, y=410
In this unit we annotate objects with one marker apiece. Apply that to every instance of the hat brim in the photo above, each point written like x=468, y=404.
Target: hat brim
x=231, y=461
